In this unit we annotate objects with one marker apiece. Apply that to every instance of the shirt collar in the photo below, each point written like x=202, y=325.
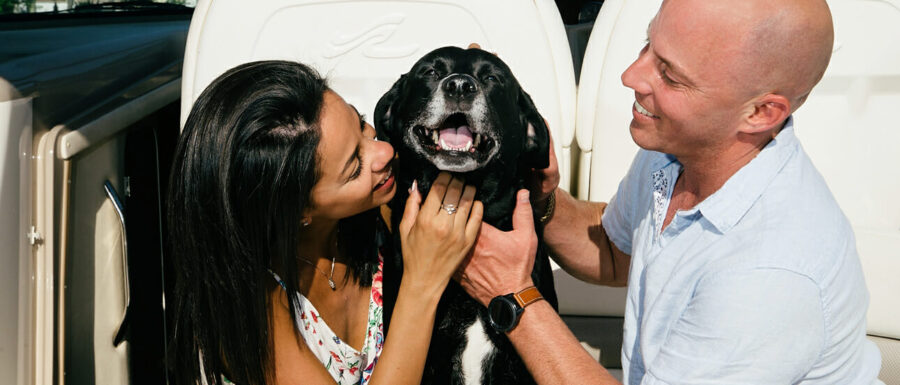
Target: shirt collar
x=724, y=208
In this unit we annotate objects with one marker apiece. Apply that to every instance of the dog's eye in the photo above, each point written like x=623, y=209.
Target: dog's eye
x=431, y=73
x=490, y=78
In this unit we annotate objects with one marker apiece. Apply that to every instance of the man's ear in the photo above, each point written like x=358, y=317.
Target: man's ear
x=536, y=153
x=384, y=110
x=768, y=112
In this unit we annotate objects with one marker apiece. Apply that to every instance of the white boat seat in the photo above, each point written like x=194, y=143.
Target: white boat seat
x=848, y=127
x=364, y=46
x=604, y=104
x=602, y=119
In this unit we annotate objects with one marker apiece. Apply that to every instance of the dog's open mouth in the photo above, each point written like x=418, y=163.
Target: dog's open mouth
x=455, y=137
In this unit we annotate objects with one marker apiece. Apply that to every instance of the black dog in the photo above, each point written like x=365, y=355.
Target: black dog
x=463, y=111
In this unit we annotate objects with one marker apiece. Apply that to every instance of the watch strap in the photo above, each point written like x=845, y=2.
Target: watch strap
x=528, y=296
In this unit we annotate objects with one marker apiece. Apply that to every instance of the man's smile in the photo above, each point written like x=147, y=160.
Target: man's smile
x=643, y=111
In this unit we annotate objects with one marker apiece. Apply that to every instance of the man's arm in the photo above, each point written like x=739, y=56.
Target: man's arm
x=551, y=352
x=579, y=243
x=577, y=240
x=501, y=264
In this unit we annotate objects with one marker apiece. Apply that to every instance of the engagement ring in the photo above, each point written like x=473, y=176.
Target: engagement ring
x=450, y=208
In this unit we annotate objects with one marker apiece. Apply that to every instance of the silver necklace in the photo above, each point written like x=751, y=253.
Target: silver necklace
x=329, y=277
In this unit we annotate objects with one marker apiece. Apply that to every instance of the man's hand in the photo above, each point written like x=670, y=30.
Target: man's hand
x=501, y=262
x=544, y=181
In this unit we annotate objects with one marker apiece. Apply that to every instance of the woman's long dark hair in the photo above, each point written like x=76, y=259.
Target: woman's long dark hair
x=242, y=175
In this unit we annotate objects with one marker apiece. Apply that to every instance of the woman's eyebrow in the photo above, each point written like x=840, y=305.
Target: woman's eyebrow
x=362, y=118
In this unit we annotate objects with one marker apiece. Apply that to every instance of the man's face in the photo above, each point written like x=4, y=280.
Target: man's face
x=688, y=92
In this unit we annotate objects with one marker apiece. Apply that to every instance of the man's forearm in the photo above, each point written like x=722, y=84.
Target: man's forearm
x=551, y=352
x=579, y=243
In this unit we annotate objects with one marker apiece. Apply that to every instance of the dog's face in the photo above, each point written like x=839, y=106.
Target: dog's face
x=461, y=110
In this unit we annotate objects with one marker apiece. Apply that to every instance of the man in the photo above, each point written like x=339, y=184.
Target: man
x=740, y=266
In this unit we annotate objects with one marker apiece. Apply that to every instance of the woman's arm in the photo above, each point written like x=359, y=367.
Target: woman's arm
x=292, y=358
x=433, y=243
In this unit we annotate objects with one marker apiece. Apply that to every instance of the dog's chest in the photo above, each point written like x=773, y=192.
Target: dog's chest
x=477, y=349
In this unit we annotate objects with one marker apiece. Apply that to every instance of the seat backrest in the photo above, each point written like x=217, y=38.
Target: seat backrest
x=363, y=46
x=604, y=104
x=602, y=119
x=849, y=130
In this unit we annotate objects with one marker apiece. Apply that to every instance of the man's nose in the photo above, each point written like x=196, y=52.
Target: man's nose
x=460, y=86
x=636, y=76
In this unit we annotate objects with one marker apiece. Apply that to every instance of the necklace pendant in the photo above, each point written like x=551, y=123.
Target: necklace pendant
x=331, y=283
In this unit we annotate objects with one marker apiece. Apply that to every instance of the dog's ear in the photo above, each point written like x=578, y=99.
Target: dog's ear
x=537, y=142
x=384, y=111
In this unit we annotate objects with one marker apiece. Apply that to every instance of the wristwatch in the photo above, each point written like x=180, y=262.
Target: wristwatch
x=504, y=310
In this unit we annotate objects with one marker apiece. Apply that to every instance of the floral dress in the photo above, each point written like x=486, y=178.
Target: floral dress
x=345, y=364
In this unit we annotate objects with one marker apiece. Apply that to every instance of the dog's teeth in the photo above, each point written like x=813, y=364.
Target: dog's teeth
x=477, y=140
x=467, y=147
x=442, y=144
x=435, y=136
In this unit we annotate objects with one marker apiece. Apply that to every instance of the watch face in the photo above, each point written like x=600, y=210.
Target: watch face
x=502, y=313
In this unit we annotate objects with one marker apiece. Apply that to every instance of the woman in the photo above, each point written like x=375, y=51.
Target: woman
x=274, y=226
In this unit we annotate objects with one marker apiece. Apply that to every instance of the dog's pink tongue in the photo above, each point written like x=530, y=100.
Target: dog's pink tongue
x=456, y=137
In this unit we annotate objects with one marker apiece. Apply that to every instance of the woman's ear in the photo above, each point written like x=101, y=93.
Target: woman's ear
x=768, y=112
x=384, y=111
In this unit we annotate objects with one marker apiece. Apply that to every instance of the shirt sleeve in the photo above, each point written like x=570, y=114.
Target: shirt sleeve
x=762, y=326
x=618, y=218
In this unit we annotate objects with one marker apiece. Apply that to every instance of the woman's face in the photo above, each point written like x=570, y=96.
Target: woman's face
x=355, y=169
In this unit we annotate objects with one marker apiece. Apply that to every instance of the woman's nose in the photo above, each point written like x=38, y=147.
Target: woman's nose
x=383, y=153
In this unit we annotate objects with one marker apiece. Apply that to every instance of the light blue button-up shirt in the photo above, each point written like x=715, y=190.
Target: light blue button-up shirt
x=758, y=284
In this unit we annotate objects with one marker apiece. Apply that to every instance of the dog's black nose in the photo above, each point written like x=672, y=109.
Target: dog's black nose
x=460, y=86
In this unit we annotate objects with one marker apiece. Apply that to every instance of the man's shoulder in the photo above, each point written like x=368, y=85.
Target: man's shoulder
x=797, y=225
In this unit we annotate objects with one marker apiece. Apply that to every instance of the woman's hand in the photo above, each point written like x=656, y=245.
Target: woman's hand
x=434, y=237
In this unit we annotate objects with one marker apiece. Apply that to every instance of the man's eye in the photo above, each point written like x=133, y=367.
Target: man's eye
x=665, y=77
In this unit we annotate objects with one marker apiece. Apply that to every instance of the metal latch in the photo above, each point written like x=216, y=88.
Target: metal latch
x=34, y=237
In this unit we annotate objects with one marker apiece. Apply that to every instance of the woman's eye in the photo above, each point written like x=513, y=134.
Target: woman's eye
x=358, y=168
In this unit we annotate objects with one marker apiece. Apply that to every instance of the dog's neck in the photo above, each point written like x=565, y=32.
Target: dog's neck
x=497, y=193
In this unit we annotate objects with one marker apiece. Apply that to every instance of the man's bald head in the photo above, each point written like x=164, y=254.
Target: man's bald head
x=768, y=46
x=790, y=47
